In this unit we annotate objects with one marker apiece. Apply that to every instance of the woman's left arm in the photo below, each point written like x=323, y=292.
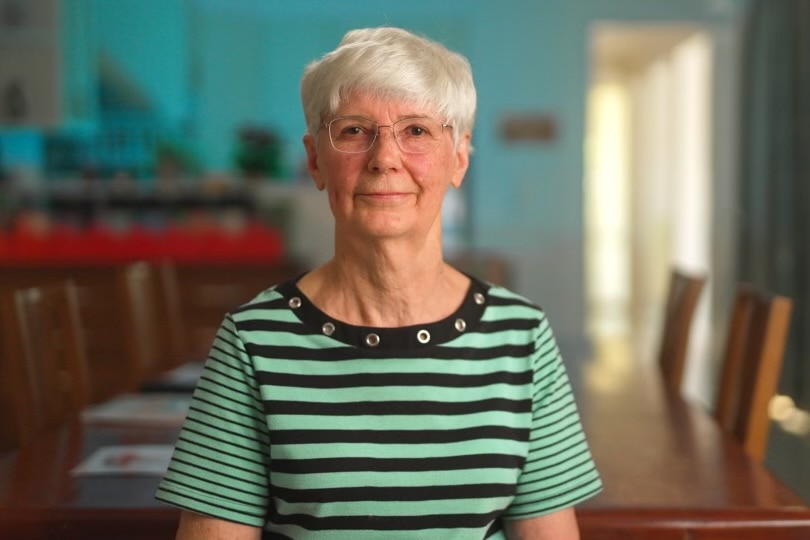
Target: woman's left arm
x=559, y=525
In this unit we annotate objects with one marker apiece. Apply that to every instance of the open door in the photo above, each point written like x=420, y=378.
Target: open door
x=648, y=183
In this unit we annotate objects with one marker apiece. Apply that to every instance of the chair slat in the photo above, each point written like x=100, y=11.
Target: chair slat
x=684, y=293
x=731, y=365
x=761, y=368
x=44, y=352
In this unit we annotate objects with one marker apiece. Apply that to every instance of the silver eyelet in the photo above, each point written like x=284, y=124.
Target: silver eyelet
x=479, y=298
x=423, y=336
x=461, y=325
x=295, y=302
x=328, y=328
x=372, y=340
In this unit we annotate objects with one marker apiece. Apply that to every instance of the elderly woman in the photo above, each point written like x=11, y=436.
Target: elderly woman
x=385, y=394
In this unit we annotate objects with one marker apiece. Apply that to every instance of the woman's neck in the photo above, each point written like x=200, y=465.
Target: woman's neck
x=386, y=287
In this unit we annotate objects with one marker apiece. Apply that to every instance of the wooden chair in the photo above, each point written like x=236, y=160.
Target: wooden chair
x=43, y=359
x=684, y=293
x=175, y=346
x=16, y=379
x=731, y=365
x=151, y=326
x=175, y=366
x=146, y=343
x=114, y=340
x=208, y=291
x=144, y=339
x=752, y=365
x=119, y=313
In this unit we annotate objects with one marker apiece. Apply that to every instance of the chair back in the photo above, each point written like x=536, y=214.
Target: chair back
x=208, y=292
x=16, y=378
x=44, y=358
x=145, y=339
x=175, y=345
x=731, y=365
x=684, y=293
x=117, y=307
x=760, y=368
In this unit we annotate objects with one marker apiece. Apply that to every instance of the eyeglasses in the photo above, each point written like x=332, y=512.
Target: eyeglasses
x=355, y=134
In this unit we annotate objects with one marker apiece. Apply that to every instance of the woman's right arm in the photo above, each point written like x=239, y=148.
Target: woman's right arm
x=195, y=526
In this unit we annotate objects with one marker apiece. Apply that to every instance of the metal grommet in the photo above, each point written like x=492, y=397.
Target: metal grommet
x=479, y=298
x=295, y=302
x=328, y=328
x=461, y=325
x=372, y=340
x=423, y=336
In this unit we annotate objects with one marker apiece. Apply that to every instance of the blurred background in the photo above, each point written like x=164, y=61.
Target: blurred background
x=615, y=140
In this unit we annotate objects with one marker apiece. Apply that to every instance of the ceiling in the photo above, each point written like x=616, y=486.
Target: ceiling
x=629, y=47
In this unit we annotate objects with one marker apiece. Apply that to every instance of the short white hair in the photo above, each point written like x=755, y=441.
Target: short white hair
x=394, y=64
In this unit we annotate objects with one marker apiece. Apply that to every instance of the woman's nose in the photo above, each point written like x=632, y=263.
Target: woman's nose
x=385, y=152
x=386, y=132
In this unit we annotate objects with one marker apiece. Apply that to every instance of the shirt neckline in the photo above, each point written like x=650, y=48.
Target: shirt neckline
x=465, y=319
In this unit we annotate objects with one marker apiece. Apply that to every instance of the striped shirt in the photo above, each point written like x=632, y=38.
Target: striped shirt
x=313, y=428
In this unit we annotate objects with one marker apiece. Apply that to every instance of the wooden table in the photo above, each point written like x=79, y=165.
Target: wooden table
x=669, y=473
x=40, y=499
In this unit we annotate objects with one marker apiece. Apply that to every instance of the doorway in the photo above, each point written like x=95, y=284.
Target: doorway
x=648, y=184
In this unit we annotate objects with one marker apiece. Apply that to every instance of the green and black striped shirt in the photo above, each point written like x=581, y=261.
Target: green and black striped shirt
x=313, y=428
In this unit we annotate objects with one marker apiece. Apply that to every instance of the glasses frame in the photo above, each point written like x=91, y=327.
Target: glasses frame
x=328, y=126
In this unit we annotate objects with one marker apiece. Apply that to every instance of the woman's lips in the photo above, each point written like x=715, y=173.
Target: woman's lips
x=388, y=198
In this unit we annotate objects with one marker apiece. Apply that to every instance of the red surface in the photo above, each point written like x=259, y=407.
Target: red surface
x=252, y=243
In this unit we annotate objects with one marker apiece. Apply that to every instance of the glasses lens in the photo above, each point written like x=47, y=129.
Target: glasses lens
x=355, y=135
x=418, y=135
x=352, y=134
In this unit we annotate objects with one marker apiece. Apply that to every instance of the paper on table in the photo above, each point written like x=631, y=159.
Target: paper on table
x=151, y=408
x=136, y=459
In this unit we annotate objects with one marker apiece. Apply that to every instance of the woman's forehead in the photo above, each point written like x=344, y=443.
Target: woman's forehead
x=373, y=105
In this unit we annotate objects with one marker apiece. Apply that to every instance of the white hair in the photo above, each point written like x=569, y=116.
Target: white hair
x=395, y=64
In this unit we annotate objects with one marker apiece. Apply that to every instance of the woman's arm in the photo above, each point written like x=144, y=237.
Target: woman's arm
x=560, y=525
x=199, y=527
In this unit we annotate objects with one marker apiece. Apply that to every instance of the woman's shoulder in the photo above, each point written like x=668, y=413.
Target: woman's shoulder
x=502, y=295
x=273, y=295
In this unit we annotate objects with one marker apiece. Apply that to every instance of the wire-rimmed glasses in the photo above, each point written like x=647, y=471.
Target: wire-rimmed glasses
x=355, y=134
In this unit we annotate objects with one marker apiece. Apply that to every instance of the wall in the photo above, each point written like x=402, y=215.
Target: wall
x=527, y=201
x=148, y=41
x=241, y=61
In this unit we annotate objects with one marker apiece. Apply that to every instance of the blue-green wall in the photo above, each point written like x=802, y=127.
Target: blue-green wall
x=215, y=64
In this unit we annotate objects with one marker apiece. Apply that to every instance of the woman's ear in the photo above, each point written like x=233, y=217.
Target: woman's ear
x=311, y=147
x=462, y=154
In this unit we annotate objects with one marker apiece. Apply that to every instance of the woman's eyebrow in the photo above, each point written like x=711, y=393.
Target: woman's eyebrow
x=405, y=116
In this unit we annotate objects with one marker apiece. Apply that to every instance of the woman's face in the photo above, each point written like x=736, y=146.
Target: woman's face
x=384, y=192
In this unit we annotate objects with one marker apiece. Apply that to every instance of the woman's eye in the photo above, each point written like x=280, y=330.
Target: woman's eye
x=415, y=131
x=353, y=130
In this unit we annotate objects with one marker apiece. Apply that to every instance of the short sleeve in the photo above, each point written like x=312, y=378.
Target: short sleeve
x=559, y=470
x=220, y=462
